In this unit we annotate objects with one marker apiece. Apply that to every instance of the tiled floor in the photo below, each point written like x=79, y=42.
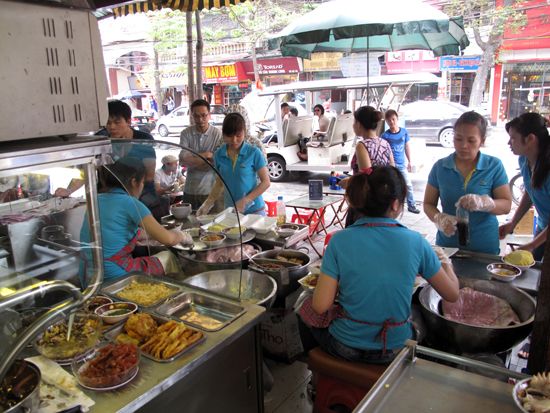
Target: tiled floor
x=289, y=394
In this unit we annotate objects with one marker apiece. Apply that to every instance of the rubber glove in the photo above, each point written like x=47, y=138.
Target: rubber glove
x=474, y=202
x=183, y=237
x=443, y=258
x=445, y=223
x=205, y=208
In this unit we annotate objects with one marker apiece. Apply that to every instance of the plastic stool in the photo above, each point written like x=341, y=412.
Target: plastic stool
x=340, y=382
x=304, y=216
x=271, y=208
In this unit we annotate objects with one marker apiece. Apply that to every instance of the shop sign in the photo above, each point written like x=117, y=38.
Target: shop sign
x=411, y=61
x=277, y=66
x=534, y=35
x=222, y=74
x=355, y=65
x=321, y=62
x=460, y=64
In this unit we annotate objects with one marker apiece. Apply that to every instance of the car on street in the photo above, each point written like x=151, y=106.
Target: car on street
x=432, y=120
x=143, y=121
x=174, y=122
x=179, y=119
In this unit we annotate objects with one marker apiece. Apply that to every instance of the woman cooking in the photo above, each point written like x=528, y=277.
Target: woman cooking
x=243, y=168
x=371, y=266
x=121, y=215
x=530, y=140
x=472, y=181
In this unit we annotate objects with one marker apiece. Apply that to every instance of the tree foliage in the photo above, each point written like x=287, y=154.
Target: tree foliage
x=488, y=23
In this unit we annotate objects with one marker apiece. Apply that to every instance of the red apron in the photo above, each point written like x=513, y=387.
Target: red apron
x=124, y=259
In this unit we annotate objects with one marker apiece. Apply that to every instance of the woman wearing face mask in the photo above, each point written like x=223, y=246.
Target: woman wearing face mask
x=473, y=181
x=168, y=178
x=530, y=140
x=243, y=168
x=122, y=216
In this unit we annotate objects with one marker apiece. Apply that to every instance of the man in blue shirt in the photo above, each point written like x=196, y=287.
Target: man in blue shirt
x=398, y=138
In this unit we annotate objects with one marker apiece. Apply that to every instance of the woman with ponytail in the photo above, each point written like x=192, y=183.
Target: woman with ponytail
x=371, y=267
x=530, y=140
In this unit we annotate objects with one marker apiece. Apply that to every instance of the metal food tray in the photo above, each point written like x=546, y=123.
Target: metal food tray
x=112, y=334
x=116, y=286
x=417, y=385
x=198, y=245
x=219, y=310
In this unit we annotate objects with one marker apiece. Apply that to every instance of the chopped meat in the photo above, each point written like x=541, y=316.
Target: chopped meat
x=480, y=309
x=227, y=254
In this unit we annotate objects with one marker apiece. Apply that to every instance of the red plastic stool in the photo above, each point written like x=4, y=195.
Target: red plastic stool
x=340, y=382
x=304, y=216
x=271, y=208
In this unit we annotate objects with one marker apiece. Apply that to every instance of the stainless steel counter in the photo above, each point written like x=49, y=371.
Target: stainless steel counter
x=411, y=384
x=213, y=361
x=474, y=265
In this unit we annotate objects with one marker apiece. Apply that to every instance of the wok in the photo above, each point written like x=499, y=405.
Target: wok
x=464, y=338
x=286, y=283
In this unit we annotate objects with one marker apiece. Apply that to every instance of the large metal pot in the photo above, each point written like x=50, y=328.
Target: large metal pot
x=256, y=288
x=286, y=278
x=196, y=262
x=27, y=375
x=464, y=338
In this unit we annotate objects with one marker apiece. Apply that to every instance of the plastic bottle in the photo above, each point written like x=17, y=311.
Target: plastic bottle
x=281, y=210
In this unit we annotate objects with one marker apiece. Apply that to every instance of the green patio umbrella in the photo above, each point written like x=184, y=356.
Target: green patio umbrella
x=354, y=26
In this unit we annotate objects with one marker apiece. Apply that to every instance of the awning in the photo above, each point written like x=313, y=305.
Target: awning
x=183, y=5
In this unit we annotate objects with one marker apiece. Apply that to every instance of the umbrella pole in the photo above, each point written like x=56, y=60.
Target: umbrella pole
x=368, y=73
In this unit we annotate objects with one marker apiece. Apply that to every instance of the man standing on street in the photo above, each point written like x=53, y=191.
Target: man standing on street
x=204, y=139
x=398, y=138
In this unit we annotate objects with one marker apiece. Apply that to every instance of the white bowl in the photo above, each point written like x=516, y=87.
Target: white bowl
x=181, y=211
x=502, y=271
x=115, y=312
x=521, y=267
x=213, y=243
x=519, y=387
x=233, y=232
x=205, y=219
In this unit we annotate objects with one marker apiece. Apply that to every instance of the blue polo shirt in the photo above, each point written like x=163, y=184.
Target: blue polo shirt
x=489, y=174
x=539, y=196
x=397, y=142
x=119, y=214
x=375, y=268
x=242, y=178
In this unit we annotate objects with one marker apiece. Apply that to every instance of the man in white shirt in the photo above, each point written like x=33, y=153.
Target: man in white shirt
x=204, y=139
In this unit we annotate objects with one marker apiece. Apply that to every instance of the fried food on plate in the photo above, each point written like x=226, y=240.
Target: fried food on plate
x=140, y=326
x=169, y=339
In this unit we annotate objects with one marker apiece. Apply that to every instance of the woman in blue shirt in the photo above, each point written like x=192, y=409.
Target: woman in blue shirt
x=243, y=168
x=530, y=140
x=473, y=181
x=121, y=215
x=371, y=266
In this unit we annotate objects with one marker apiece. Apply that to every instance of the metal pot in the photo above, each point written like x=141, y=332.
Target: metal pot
x=195, y=262
x=464, y=338
x=286, y=278
x=25, y=370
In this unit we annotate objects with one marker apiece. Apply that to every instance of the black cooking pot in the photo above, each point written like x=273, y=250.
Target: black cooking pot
x=23, y=380
x=288, y=275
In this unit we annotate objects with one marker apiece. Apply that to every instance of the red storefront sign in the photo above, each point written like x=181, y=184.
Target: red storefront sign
x=230, y=73
x=411, y=61
x=275, y=66
x=535, y=33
